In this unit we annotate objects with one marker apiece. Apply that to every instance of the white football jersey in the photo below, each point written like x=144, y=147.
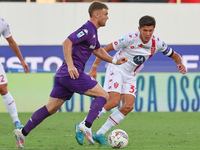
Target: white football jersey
x=4, y=28
x=132, y=47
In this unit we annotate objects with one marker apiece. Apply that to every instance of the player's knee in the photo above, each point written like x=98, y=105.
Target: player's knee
x=3, y=91
x=52, y=110
x=128, y=107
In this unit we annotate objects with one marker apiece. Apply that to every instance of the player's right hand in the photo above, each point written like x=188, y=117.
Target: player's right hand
x=25, y=66
x=73, y=72
x=122, y=60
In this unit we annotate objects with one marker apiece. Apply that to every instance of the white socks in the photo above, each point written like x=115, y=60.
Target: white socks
x=10, y=106
x=103, y=111
x=114, y=119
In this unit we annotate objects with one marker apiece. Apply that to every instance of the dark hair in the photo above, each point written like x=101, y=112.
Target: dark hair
x=147, y=21
x=96, y=6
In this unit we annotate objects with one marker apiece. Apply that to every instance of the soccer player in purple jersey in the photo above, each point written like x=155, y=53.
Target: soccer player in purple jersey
x=71, y=78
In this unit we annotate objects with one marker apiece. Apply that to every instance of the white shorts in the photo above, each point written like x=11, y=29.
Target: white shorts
x=117, y=80
x=3, y=78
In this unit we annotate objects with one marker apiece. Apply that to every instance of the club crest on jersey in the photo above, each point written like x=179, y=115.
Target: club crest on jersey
x=139, y=59
x=116, y=84
x=80, y=34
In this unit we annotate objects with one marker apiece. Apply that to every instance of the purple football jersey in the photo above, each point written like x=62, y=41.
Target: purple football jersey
x=84, y=40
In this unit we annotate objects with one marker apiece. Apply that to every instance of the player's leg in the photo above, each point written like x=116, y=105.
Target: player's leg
x=118, y=115
x=8, y=99
x=52, y=106
x=115, y=118
x=113, y=101
x=113, y=85
x=57, y=97
x=96, y=106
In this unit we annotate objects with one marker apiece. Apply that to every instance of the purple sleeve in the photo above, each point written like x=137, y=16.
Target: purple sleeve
x=78, y=36
x=97, y=45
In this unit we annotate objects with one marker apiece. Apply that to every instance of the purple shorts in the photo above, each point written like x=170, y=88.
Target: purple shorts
x=64, y=87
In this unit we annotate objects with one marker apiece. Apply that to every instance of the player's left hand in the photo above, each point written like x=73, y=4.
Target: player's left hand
x=182, y=68
x=26, y=67
x=93, y=72
x=122, y=60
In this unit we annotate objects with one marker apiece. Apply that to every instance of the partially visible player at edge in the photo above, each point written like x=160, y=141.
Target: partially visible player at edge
x=120, y=81
x=7, y=97
x=71, y=78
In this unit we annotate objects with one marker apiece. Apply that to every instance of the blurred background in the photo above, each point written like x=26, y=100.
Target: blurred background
x=39, y=27
x=145, y=1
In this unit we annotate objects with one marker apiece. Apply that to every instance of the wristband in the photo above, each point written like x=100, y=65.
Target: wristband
x=114, y=61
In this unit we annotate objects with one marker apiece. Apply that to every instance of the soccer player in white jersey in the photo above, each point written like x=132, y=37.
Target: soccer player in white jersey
x=120, y=81
x=7, y=97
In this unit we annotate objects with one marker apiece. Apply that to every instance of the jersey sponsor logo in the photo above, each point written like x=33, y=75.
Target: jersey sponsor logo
x=80, y=34
x=116, y=43
x=116, y=85
x=139, y=59
x=143, y=46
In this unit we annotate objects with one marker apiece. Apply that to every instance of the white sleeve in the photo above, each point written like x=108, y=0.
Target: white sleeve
x=121, y=42
x=6, y=30
x=164, y=48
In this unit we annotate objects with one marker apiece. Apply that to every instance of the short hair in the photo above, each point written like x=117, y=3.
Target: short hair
x=147, y=21
x=96, y=6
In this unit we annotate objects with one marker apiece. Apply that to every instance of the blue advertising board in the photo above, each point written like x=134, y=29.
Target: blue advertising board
x=49, y=58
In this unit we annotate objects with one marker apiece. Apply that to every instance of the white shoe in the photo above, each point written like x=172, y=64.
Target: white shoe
x=86, y=132
x=19, y=138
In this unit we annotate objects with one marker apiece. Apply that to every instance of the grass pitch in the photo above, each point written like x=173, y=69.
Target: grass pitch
x=146, y=131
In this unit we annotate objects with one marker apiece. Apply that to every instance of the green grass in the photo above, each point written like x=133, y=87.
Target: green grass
x=147, y=131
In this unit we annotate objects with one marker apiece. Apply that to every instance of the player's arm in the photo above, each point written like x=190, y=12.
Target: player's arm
x=15, y=48
x=177, y=59
x=103, y=55
x=93, y=71
x=67, y=50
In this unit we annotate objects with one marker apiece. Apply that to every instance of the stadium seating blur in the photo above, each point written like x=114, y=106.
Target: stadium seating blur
x=137, y=1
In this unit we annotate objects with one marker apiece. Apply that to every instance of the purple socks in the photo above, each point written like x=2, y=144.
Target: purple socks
x=95, y=107
x=36, y=119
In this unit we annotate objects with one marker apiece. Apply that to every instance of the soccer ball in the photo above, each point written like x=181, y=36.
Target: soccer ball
x=118, y=138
